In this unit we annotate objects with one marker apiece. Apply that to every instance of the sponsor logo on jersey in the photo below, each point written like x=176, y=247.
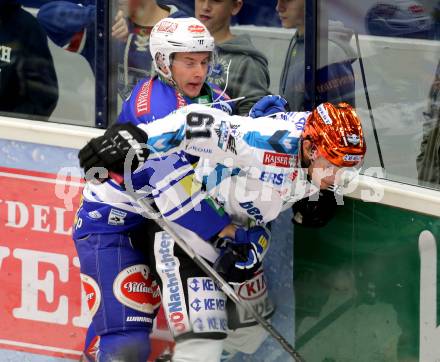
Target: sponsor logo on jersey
x=172, y=291
x=324, y=114
x=252, y=211
x=274, y=178
x=93, y=293
x=207, y=305
x=226, y=136
x=135, y=288
x=167, y=27
x=277, y=159
x=95, y=214
x=143, y=99
x=293, y=175
x=255, y=292
x=223, y=134
x=116, y=217
x=132, y=318
x=352, y=158
x=180, y=100
x=199, y=149
x=300, y=123
x=253, y=288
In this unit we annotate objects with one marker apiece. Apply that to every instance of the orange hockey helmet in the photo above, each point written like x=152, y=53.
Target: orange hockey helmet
x=336, y=131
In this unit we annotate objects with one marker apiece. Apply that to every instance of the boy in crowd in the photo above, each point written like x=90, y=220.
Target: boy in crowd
x=335, y=80
x=241, y=70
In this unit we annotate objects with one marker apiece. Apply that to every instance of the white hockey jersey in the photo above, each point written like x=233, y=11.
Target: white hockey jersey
x=250, y=166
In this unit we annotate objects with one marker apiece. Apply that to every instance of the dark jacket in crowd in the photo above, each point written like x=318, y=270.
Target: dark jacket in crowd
x=28, y=82
x=72, y=26
x=335, y=81
x=428, y=160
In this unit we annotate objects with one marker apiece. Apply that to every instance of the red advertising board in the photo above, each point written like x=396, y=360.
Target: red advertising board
x=42, y=309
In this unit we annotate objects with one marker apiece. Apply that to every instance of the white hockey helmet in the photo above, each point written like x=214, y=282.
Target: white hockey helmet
x=173, y=35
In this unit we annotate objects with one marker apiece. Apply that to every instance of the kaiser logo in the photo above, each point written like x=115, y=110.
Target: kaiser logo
x=196, y=29
x=254, y=288
x=277, y=159
x=93, y=293
x=135, y=288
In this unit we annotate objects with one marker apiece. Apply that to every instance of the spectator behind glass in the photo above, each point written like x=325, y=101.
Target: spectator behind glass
x=257, y=12
x=253, y=12
x=335, y=81
x=428, y=160
x=28, y=82
x=240, y=67
x=72, y=26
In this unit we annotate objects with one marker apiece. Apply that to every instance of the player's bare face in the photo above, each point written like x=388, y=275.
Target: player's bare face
x=323, y=173
x=190, y=71
x=291, y=13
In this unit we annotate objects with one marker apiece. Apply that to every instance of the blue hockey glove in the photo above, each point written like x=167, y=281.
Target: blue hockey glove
x=256, y=241
x=240, y=258
x=268, y=105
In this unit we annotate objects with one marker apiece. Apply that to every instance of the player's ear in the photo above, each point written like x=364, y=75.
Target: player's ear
x=307, y=149
x=236, y=6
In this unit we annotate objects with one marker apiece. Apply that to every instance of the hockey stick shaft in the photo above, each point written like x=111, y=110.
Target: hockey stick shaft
x=367, y=98
x=224, y=286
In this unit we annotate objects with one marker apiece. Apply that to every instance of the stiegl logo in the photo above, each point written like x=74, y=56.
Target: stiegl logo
x=135, y=288
x=92, y=291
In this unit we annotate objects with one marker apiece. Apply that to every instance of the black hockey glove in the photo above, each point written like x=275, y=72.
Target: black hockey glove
x=110, y=150
x=240, y=258
x=315, y=213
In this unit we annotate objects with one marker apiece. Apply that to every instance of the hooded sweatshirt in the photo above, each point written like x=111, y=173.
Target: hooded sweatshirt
x=335, y=81
x=248, y=73
x=28, y=82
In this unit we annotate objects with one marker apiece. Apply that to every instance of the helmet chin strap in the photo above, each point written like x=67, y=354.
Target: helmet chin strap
x=171, y=82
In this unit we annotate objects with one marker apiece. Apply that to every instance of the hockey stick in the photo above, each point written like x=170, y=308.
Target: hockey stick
x=150, y=213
